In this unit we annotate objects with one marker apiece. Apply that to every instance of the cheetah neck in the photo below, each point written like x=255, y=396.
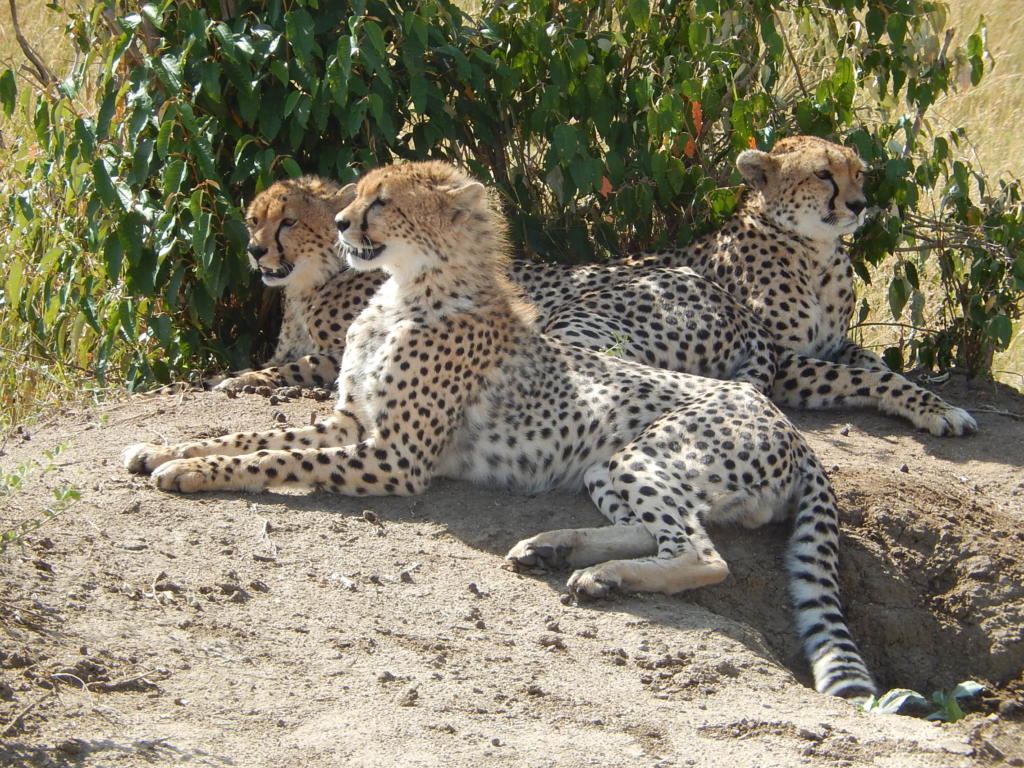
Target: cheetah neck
x=309, y=278
x=821, y=252
x=439, y=293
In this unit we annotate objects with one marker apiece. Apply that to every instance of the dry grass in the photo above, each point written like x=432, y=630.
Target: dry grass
x=991, y=113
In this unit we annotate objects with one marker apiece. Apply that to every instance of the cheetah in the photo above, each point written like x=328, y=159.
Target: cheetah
x=444, y=374
x=293, y=245
x=669, y=317
x=782, y=257
x=769, y=303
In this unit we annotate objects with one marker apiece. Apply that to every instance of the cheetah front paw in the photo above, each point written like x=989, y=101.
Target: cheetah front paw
x=143, y=458
x=237, y=381
x=200, y=474
x=947, y=421
x=594, y=583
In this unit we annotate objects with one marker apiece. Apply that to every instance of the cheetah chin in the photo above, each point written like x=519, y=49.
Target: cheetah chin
x=281, y=273
x=355, y=254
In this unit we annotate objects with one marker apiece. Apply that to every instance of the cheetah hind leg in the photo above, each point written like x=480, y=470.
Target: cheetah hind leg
x=685, y=557
x=579, y=547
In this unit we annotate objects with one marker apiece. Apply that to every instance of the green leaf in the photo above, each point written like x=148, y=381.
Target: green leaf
x=12, y=287
x=896, y=26
x=565, y=141
x=113, y=255
x=1000, y=329
x=104, y=184
x=8, y=92
x=291, y=167
x=874, y=22
x=890, y=702
x=966, y=689
x=299, y=28
x=899, y=292
x=172, y=177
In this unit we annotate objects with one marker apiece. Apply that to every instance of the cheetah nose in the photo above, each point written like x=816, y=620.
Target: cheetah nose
x=857, y=206
x=343, y=224
x=256, y=251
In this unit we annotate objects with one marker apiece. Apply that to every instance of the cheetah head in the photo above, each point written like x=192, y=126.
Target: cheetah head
x=291, y=231
x=808, y=185
x=414, y=217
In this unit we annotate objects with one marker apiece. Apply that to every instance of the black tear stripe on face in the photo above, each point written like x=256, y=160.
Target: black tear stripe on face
x=835, y=194
x=285, y=262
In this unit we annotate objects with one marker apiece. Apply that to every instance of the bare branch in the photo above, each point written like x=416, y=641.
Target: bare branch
x=42, y=72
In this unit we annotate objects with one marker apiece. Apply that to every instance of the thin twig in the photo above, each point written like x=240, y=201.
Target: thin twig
x=920, y=112
x=999, y=412
x=42, y=72
x=792, y=56
x=14, y=723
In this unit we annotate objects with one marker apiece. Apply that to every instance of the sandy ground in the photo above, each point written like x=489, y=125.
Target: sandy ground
x=305, y=629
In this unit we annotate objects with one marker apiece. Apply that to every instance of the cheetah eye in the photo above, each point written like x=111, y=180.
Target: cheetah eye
x=288, y=222
x=378, y=203
x=253, y=221
x=824, y=174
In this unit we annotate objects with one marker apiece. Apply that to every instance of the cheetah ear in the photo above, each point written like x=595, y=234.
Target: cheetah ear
x=756, y=167
x=466, y=198
x=344, y=196
x=468, y=195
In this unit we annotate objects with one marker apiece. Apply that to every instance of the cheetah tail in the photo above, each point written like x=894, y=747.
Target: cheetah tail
x=813, y=559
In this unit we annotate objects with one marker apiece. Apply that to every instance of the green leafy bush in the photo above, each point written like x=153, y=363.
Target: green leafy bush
x=609, y=126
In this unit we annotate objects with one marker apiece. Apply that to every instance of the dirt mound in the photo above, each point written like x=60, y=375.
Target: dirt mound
x=305, y=628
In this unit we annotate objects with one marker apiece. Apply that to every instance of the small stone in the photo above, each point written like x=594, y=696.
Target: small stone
x=72, y=746
x=845, y=431
x=552, y=642
x=480, y=624
x=1010, y=708
x=904, y=468
x=727, y=668
x=552, y=626
x=409, y=698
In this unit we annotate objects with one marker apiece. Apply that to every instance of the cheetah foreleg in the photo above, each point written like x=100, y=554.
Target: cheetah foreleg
x=355, y=470
x=806, y=382
x=341, y=429
x=308, y=371
x=854, y=355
